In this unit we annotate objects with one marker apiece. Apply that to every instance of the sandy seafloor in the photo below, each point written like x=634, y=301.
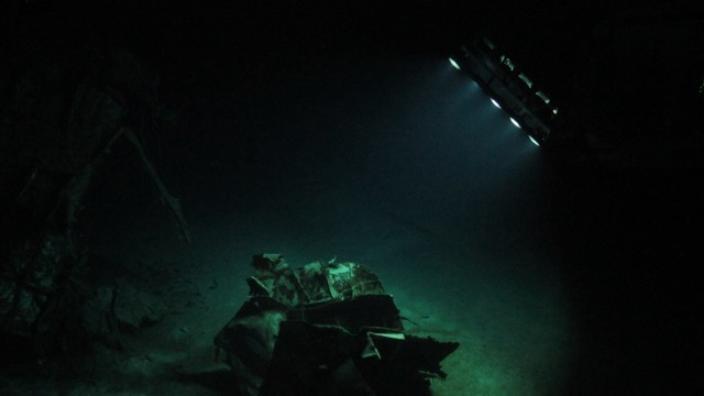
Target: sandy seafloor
x=507, y=309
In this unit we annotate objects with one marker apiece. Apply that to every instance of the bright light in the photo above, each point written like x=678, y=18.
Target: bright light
x=495, y=103
x=535, y=142
x=526, y=80
x=554, y=111
x=544, y=97
x=454, y=64
x=506, y=61
x=514, y=122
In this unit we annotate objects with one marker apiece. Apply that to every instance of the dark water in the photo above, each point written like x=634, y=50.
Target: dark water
x=398, y=163
x=555, y=278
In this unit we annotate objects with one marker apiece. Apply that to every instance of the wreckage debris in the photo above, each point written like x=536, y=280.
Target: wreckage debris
x=325, y=329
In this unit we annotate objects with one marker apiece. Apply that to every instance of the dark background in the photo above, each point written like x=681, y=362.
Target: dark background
x=626, y=159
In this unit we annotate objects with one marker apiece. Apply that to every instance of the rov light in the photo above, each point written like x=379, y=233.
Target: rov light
x=514, y=122
x=535, y=142
x=544, y=97
x=495, y=103
x=489, y=43
x=454, y=64
x=526, y=80
x=507, y=61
